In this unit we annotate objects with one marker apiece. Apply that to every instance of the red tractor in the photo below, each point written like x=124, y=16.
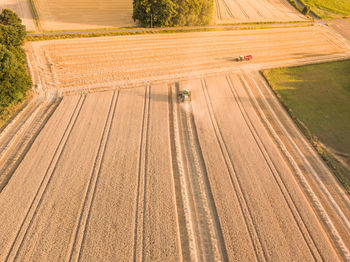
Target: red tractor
x=244, y=58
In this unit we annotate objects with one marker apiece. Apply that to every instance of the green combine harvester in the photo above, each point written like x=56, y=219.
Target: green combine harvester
x=185, y=95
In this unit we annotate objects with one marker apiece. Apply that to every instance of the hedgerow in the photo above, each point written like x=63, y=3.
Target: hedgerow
x=14, y=78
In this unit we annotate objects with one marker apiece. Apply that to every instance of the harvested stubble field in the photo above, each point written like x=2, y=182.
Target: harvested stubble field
x=84, y=14
x=107, y=62
x=343, y=28
x=235, y=11
x=132, y=174
x=22, y=8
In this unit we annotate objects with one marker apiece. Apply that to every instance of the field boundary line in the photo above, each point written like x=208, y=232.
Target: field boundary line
x=35, y=15
x=42, y=189
x=77, y=240
x=302, y=180
x=277, y=177
x=259, y=251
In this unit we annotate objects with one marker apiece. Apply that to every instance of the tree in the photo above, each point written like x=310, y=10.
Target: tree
x=12, y=35
x=14, y=80
x=8, y=17
x=12, y=32
x=173, y=12
x=154, y=12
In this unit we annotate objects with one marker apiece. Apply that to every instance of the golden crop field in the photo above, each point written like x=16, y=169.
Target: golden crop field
x=234, y=11
x=84, y=14
x=101, y=172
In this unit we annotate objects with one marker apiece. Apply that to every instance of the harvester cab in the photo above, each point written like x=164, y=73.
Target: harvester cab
x=185, y=95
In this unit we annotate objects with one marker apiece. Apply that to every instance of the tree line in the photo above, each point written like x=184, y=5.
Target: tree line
x=14, y=78
x=160, y=13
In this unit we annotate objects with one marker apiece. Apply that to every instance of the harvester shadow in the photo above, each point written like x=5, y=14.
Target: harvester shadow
x=227, y=59
x=155, y=96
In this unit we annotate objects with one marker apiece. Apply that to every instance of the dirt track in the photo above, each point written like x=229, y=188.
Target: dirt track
x=235, y=11
x=22, y=8
x=133, y=174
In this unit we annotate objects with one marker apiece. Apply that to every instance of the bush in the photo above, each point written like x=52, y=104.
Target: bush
x=161, y=13
x=306, y=10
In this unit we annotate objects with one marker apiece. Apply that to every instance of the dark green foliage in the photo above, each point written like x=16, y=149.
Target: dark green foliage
x=154, y=13
x=12, y=32
x=14, y=79
x=8, y=17
x=306, y=10
x=12, y=35
x=18, y=52
x=159, y=13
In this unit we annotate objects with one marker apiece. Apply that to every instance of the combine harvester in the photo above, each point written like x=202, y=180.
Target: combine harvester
x=244, y=58
x=185, y=95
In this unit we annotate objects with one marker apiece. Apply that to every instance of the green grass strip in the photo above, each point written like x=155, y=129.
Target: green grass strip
x=317, y=98
x=329, y=9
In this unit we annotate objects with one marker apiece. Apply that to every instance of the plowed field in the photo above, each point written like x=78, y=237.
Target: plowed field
x=22, y=8
x=235, y=11
x=84, y=14
x=133, y=174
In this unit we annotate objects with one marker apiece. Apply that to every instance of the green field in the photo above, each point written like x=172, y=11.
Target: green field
x=318, y=98
x=329, y=9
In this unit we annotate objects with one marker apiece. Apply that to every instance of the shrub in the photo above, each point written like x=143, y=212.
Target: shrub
x=306, y=10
